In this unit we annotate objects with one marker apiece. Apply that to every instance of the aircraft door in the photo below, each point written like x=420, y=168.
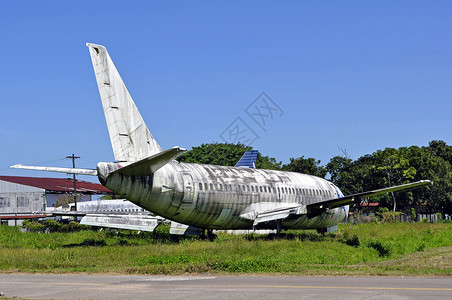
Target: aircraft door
x=189, y=188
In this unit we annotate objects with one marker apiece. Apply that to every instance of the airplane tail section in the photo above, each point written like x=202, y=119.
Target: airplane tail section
x=143, y=167
x=248, y=159
x=129, y=135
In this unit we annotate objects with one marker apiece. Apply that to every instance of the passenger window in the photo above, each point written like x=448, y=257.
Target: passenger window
x=205, y=186
x=200, y=186
x=211, y=186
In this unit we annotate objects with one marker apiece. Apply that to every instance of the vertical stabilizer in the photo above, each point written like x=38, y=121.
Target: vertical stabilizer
x=248, y=159
x=129, y=135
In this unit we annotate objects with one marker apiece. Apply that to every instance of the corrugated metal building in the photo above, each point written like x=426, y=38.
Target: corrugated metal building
x=22, y=195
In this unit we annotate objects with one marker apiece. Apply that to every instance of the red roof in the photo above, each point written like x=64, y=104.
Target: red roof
x=58, y=184
x=369, y=204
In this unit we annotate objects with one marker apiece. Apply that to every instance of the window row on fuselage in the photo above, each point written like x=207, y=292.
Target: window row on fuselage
x=121, y=210
x=265, y=189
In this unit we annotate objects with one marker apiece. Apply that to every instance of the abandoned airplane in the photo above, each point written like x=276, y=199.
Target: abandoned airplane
x=205, y=196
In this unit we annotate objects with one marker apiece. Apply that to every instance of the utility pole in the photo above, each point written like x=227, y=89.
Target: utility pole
x=73, y=157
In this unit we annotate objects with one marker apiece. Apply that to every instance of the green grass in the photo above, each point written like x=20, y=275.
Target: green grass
x=370, y=249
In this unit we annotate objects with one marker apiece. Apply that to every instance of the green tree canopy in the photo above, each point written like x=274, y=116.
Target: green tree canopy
x=391, y=166
x=305, y=165
x=225, y=154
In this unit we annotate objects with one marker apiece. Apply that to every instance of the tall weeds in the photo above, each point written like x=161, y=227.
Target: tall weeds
x=352, y=250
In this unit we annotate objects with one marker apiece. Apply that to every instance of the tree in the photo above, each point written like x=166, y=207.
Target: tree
x=111, y=197
x=394, y=168
x=339, y=167
x=305, y=165
x=441, y=149
x=64, y=199
x=215, y=154
x=224, y=154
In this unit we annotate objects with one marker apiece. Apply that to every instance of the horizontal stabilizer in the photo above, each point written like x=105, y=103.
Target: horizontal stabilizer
x=130, y=222
x=338, y=202
x=90, y=172
x=152, y=163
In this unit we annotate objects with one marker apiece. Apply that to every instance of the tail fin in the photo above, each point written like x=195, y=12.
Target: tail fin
x=129, y=135
x=248, y=159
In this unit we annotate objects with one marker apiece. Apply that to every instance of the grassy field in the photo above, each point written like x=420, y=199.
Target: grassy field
x=366, y=249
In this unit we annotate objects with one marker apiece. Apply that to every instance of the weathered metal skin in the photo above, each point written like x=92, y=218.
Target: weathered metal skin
x=218, y=197
x=206, y=196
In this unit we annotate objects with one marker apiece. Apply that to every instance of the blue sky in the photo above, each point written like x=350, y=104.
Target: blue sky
x=351, y=75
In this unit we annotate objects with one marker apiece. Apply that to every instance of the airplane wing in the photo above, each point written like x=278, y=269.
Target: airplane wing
x=273, y=211
x=131, y=222
x=319, y=207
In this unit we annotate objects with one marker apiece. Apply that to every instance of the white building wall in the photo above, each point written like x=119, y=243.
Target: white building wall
x=18, y=198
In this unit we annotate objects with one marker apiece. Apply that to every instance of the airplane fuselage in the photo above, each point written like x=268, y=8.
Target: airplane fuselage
x=204, y=196
x=219, y=197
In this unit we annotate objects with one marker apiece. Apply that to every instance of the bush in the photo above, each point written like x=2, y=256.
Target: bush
x=52, y=225
x=33, y=226
x=353, y=241
x=73, y=226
